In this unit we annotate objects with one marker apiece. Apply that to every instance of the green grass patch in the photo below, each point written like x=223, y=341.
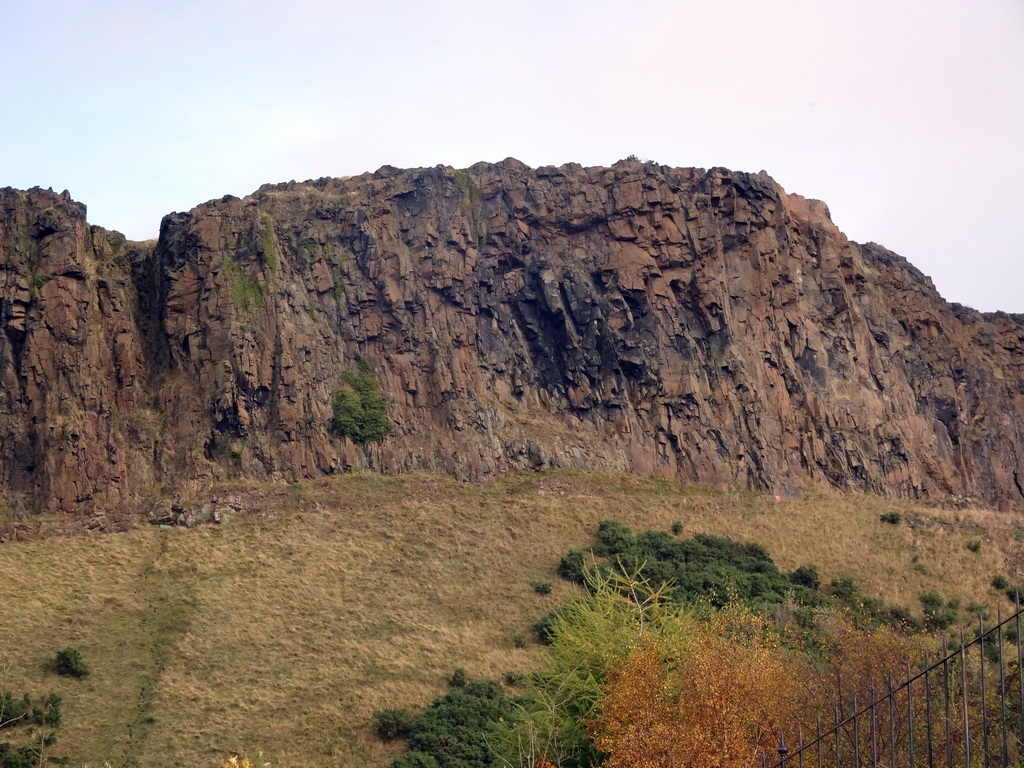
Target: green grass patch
x=247, y=293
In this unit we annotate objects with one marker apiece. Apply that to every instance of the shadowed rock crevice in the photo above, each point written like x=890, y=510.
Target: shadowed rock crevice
x=704, y=325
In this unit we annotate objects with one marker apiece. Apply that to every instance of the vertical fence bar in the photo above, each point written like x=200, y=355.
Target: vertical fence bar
x=945, y=700
x=783, y=750
x=856, y=733
x=837, y=713
x=800, y=742
x=874, y=731
x=1002, y=684
x=764, y=759
x=963, y=692
x=984, y=697
x=817, y=741
x=892, y=722
x=910, y=718
x=928, y=709
x=1020, y=675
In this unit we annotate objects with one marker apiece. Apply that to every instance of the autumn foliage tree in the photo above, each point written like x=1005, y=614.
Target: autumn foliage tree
x=710, y=697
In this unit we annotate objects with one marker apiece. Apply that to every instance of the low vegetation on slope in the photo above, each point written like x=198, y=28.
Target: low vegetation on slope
x=286, y=628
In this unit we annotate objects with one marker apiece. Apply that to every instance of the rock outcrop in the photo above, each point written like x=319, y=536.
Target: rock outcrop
x=704, y=325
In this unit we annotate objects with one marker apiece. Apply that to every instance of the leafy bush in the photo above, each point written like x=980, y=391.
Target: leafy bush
x=938, y=615
x=12, y=709
x=893, y=518
x=703, y=566
x=806, y=576
x=359, y=408
x=541, y=587
x=544, y=625
x=677, y=528
x=844, y=588
x=452, y=732
x=571, y=567
x=1013, y=591
x=459, y=678
x=28, y=755
x=612, y=538
x=718, y=570
x=1000, y=582
x=974, y=545
x=69, y=663
x=414, y=760
x=391, y=724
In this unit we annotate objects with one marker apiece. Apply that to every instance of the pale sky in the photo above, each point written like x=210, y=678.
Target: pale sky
x=907, y=118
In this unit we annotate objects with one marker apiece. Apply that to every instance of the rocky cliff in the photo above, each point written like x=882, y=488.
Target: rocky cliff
x=704, y=325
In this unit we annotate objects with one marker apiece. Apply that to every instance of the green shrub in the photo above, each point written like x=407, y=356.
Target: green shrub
x=544, y=627
x=459, y=678
x=69, y=663
x=806, y=576
x=571, y=567
x=613, y=538
x=844, y=588
x=893, y=518
x=359, y=408
x=390, y=724
x=13, y=709
x=677, y=528
x=541, y=587
x=453, y=731
x=1000, y=582
x=974, y=545
x=414, y=760
x=938, y=615
x=28, y=755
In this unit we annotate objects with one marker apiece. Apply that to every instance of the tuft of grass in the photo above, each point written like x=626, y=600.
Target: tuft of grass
x=266, y=241
x=247, y=293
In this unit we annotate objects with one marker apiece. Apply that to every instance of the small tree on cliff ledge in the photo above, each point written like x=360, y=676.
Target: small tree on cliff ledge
x=359, y=408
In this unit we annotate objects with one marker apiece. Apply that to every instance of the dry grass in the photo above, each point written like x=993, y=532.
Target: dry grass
x=285, y=633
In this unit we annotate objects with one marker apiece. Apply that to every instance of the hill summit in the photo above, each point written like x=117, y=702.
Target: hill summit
x=703, y=325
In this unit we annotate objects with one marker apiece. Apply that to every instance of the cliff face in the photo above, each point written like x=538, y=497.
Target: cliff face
x=703, y=325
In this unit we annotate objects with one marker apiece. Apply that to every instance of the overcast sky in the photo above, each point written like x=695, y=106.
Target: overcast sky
x=907, y=118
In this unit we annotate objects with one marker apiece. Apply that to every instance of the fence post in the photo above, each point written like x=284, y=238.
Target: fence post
x=1020, y=673
x=892, y=721
x=1002, y=684
x=928, y=708
x=984, y=696
x=910, y=718
x=856, y=733
x=963, y=692
x=945, y=700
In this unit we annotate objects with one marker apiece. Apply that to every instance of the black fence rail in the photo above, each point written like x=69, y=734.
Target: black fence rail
x=965, y=710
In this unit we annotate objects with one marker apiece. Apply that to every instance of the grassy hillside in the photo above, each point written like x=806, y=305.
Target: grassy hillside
x=284, y=629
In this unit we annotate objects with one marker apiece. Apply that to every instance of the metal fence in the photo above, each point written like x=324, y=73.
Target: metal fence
x=965, y=710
